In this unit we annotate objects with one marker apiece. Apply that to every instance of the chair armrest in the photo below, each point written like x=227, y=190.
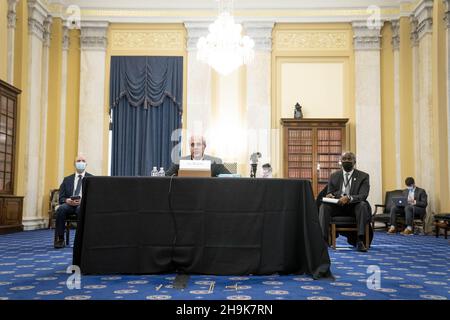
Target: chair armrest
x=376, y=208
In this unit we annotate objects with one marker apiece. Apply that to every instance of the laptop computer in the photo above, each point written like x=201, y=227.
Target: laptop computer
x=400, y=201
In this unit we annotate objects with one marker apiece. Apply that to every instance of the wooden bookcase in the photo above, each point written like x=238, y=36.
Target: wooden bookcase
x=312, y=149
x=10, y=205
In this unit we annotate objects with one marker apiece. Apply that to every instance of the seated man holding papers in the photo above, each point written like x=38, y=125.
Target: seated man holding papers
x=347, y=192
x=197, y=147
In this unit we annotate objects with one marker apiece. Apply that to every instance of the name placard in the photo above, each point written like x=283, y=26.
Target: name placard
x=200, y=165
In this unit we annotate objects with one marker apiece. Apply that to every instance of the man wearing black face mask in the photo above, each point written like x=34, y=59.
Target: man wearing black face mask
x=351, y=187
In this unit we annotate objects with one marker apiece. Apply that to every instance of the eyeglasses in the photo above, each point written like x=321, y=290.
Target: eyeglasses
x=196, y=145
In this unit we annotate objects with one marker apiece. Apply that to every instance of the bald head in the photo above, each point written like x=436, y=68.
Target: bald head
x=197, y=145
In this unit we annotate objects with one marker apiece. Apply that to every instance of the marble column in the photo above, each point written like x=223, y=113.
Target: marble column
x=447, y=19
x=415, y=93
x=423, y=117
x=11, y=35
x=93, y=111
x=44, y=115
x=63, y=102
x=199, y=85
x=258, y=83
x=37, y=14
x=366, y=43
x=395, y=25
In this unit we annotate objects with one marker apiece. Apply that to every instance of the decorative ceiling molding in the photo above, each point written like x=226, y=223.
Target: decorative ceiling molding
x=179, y=11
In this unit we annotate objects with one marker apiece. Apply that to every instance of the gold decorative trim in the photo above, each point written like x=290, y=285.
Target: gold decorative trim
x=259, y=13
x=311, y=40
x=56, y=9
x=170, y=40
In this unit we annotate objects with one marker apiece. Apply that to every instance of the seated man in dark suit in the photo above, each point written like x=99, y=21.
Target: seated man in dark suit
x=417, y=204
x=351, y=187
x=197, y=148
x=69, y=199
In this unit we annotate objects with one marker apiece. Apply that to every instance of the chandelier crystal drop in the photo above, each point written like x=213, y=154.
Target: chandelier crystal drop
x=224, y=48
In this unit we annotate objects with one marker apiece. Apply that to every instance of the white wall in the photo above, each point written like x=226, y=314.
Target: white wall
x=317, y=86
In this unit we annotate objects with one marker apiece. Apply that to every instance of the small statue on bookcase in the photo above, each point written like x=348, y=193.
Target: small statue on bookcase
x=298, y=114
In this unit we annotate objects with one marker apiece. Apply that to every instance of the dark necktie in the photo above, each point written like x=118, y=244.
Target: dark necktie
x=347, y=184
x=78, y=187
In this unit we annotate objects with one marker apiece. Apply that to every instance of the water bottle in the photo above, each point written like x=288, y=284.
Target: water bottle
x=154, y=172
x=161, y=172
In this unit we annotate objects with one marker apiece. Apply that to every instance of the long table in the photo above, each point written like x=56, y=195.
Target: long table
x=222, y=226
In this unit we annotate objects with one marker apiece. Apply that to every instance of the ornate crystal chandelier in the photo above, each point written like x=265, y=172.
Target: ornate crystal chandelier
x=224, y=48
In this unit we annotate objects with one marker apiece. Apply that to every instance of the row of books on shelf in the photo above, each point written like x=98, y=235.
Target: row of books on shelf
x=300, y=149
x=326, y=134
x=300, y=134
x=334, y=158
x=329, y=164
x=329, y=149
x=300, y=157
x=300, y=173
x=324, y=174
x=300, y=142
x=298, y=164
x=329, y=143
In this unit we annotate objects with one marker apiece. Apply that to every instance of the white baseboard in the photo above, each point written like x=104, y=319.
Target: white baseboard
x=34, y=224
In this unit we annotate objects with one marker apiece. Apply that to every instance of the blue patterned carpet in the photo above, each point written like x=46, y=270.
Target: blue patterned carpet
x=413, y=268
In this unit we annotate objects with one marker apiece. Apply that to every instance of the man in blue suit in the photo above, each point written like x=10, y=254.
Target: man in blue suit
x=69, y=199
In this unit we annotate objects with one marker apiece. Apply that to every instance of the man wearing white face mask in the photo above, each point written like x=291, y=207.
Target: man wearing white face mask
x=69, y=199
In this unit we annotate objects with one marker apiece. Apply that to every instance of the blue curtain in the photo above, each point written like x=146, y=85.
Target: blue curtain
x=146, y=95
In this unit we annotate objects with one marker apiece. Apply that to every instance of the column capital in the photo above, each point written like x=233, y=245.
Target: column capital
x=447, y=12
x=47, y=30
x=424, y=16
x=366, y=36
x=94, y=35
x=36, y=17
x=395, y=25
x=261, y=33
x=414, y=35
x=65, y=38
x=12, y=13
x=195, y=30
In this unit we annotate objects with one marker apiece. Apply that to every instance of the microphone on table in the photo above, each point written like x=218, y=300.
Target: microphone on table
x=254, y=163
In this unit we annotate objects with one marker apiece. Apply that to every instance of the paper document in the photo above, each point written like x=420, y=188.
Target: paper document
x=330, y=200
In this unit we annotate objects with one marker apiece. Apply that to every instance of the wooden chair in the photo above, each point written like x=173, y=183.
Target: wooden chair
x=442, y=221
x=71, y=220
x=338, y=224
x=52, y=207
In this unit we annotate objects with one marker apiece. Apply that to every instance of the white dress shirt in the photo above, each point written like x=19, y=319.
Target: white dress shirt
x=76, y=180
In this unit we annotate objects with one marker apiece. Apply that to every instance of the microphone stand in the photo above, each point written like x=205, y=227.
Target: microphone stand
x=253, y=170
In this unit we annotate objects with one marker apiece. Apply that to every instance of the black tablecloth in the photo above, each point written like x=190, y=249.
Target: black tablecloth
x=222, y=226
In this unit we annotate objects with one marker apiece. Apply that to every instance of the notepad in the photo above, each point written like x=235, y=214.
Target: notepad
x=330, y=200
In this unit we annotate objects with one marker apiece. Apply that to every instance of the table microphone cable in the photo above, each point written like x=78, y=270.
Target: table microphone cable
x=174, y=242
